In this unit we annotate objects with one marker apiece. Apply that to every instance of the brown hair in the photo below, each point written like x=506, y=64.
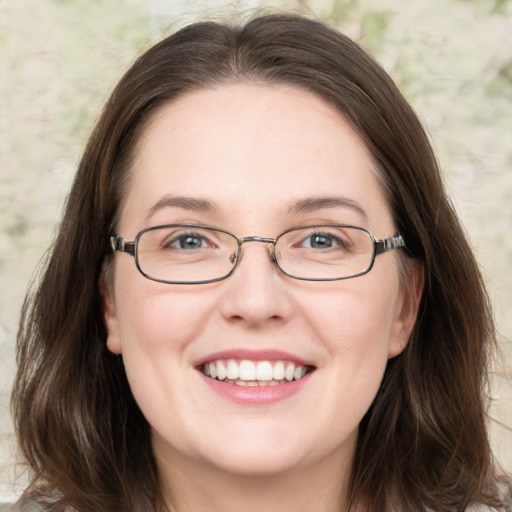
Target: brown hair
x=77, y=422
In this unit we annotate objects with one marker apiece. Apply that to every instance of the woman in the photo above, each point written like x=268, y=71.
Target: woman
x=259, y=296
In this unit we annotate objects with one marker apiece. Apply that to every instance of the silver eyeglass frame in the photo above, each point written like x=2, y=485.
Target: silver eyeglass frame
x=380, y=246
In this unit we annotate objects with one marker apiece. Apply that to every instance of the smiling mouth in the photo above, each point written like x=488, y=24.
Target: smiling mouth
x=254, y=373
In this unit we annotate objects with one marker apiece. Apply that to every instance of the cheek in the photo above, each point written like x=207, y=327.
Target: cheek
x=152, y=316
x=156, y=330
x=355, y=327
x=355, y=318
x=155, y=323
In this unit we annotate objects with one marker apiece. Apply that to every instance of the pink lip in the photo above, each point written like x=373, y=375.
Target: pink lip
x=256, y=395
x=252, y=355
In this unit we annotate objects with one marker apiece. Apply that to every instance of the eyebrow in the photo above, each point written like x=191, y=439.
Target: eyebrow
x=184, y=202
x=311, y=204
x=306, y=205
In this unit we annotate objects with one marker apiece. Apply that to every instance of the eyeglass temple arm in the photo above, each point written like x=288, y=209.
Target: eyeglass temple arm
x=388, y=244
x=117, y=243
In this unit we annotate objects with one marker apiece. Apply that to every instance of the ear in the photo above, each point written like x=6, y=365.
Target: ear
x=407, y=308
x=109, y=312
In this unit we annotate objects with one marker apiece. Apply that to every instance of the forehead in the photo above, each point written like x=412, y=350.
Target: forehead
x=250, y=148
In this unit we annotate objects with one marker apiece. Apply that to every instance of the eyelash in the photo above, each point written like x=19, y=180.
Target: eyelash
x=168, y=243
x=336, y=241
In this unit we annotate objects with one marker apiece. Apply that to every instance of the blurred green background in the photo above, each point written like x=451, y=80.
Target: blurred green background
x=59, y=59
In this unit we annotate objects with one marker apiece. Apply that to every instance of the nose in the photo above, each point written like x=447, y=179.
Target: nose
x=257, y=292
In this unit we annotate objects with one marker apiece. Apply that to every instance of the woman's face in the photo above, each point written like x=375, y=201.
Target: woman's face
x=256, y=161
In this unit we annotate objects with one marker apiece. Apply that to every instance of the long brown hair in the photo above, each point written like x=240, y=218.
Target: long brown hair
x=78, y=425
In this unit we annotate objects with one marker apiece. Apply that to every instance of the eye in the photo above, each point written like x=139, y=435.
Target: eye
x=188, y=241
x=323, y=240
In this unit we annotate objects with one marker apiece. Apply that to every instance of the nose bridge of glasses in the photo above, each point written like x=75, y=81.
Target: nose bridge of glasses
x=256, y=239
x=260, y=239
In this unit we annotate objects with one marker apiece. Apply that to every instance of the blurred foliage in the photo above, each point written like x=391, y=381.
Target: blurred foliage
x=341, y=11
x=502, y=82
x=373, y=28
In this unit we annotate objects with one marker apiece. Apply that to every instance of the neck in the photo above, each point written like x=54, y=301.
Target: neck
x=192, y=487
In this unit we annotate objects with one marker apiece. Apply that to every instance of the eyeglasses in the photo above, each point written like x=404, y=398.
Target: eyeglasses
x=196, y=254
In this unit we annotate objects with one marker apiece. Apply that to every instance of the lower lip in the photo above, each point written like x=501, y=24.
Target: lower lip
x=256, y=395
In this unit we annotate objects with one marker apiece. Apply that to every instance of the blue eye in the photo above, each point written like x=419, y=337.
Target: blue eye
x=187, y=241
x=322, y=241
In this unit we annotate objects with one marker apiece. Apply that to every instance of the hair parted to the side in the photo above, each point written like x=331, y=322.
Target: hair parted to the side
x=78, y=425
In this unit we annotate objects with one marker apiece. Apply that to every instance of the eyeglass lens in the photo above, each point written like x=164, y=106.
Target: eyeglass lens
x=196, y=253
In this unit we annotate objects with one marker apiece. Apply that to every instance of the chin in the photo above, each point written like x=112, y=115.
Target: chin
x=256, y=464
x=263, y=452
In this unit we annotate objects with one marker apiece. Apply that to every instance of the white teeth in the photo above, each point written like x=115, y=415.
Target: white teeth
x=247, y=370
x=232, y=370
x=254, y=373
x=289, y=372
x=255, y=383
x=221, y=370
x=264, y=371
x=298, y=374
x=278, y=372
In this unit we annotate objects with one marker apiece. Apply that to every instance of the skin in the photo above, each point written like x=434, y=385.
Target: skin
x=253, y=151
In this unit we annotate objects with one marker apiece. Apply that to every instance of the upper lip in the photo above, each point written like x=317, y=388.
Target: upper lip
x=252, y=355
